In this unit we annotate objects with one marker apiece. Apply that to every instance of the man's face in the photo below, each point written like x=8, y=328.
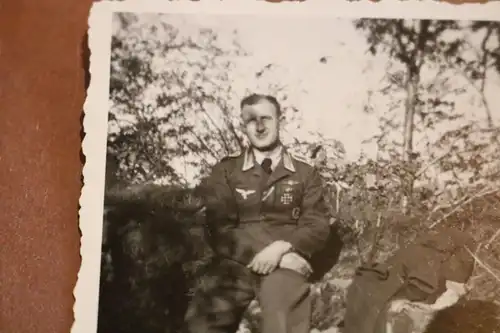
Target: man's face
x=261, y=124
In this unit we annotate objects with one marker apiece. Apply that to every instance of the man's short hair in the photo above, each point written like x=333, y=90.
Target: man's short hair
x=257, y=98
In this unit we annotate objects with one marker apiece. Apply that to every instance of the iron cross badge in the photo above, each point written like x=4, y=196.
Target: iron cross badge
x=286, y=198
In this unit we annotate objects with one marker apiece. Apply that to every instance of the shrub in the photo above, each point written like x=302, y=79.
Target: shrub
x=150, y=257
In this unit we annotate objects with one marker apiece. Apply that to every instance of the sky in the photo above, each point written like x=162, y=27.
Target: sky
x=330, y=95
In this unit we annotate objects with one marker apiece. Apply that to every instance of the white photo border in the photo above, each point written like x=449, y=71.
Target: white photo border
x=86, y=291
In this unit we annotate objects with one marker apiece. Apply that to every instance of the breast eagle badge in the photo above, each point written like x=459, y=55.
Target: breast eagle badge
x=291, y=182
x=244, y=193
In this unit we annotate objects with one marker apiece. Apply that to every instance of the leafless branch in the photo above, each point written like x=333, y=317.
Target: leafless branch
x=495, y=235
x=232, y=129
x=435, y=160
x=484, y=61
x=202, y=143
x=219, y=131
x=483, y=265
x=458, y=207
x=444, y=206
x=480, y=89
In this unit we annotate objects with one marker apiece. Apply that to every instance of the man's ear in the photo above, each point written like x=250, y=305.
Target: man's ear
x=243, y=127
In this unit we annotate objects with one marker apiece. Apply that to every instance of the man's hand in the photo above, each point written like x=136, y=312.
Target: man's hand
x=454, y=291
x=296, y=263
x=398, y=306
x=268, y=259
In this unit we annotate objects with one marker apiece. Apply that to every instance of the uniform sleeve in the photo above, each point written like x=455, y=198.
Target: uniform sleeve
x=217, y=197
x=313, y=225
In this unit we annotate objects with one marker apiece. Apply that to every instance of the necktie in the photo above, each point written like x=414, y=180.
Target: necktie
x=266, y=165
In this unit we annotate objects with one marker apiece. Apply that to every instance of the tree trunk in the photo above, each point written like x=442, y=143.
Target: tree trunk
x=484, y=65
x=410, y=105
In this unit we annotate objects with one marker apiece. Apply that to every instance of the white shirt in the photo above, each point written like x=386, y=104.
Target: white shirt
x=274, y=155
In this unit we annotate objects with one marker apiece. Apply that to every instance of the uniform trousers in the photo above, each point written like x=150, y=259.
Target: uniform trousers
x=225, y=291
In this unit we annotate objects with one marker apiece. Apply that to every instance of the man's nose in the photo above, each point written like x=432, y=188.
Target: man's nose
x=260, y=126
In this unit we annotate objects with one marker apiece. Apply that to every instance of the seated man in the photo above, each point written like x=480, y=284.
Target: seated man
x=266, y=217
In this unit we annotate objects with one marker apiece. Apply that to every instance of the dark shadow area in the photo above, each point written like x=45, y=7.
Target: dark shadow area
x=154, y=253
x=143, y=284
x=468, y=316
x=323, y=261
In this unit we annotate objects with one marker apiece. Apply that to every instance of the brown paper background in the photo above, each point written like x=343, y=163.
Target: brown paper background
x=41, y=99
x=42, y=91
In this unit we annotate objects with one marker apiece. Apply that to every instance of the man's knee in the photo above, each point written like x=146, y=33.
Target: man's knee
x=284, y=289
x=285, y=300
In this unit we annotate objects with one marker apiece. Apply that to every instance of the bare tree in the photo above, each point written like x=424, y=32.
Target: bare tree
x=418, y=45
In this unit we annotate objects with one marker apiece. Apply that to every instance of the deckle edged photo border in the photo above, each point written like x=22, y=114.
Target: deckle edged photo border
x=98, y=101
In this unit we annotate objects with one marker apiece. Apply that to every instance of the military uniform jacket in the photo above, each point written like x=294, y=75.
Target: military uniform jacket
x=247, y=209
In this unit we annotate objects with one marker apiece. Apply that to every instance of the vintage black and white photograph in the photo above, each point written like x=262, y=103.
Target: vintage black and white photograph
x=291, y=171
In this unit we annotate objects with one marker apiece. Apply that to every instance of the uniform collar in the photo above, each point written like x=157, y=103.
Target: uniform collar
x=249, y=160
x=275, y=156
